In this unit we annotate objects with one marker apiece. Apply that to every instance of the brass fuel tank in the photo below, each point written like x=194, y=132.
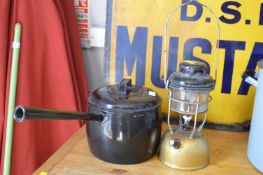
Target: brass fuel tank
x=178, y=151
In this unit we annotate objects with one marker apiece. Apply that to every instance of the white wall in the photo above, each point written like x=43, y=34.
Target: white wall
x=94, y=57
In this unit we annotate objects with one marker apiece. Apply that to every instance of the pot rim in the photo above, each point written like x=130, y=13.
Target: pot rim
x=131, y=111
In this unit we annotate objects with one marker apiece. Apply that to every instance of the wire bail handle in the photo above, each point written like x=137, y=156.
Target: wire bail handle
x=165, y=37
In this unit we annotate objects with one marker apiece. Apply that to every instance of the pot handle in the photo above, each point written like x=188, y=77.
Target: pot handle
x=24, y=113
x=250, y=77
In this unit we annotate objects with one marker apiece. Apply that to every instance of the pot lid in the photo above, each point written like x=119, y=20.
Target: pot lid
x=193, y=76
x=260, y=63
x=124, y=97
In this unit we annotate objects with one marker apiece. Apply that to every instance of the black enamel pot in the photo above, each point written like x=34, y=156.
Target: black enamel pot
x=123, y=123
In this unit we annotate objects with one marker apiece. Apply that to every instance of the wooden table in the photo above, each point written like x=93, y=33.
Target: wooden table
x=227, y=156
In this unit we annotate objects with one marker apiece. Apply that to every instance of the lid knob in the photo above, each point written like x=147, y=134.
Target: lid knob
x=125, y=87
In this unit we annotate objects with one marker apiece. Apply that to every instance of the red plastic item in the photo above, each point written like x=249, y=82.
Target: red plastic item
x=51, y=75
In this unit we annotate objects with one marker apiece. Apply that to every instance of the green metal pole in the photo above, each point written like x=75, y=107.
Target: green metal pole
x=11, y=99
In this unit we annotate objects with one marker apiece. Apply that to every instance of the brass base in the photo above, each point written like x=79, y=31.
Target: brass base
x=185, y=168
x=189, y=154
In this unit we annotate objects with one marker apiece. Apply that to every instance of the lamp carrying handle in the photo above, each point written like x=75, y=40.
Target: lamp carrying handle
x=165, y=37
